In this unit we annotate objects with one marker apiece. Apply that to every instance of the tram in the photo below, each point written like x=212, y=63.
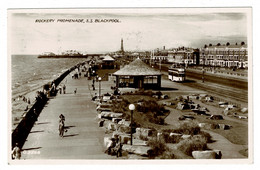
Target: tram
x=176, y=73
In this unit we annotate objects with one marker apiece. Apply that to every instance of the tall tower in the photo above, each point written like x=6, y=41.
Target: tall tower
x=122, y=46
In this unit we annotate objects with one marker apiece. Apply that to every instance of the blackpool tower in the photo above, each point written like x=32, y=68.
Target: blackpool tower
x=122, y=46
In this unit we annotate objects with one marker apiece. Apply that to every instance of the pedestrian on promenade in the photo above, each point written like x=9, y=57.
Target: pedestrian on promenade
x=60, y=89
x=35, y=114
x=61, y=125
x=61, y=128
x=64, y=89
x=16, y=153
x=62, y=117
x=75, y=91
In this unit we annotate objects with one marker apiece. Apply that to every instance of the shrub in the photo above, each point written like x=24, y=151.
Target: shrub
x=206, y=135
x=186, y=128
x=158, y=147
x=142, y=137
x=167, y=155
x=197, y=143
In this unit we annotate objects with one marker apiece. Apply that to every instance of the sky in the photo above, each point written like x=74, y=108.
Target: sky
x=141, y=29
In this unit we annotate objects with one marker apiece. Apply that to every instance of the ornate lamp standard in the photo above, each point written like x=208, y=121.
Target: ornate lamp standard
x=132, y=108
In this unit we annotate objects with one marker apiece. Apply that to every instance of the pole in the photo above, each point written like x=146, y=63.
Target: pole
x=131, y=127
x=203, y=69
x=160, y=64
x=100, y=89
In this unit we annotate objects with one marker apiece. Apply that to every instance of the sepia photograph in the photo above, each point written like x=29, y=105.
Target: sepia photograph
x=130, y=84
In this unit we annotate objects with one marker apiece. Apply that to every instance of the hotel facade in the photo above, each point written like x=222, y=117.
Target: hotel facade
x=225, y=55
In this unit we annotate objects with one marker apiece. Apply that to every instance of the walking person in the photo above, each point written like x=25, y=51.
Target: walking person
x=16, y=153
x=64, y=89
x=61, y=128
x=61, y=125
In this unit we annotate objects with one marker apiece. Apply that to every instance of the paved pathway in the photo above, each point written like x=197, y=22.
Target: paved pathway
x=228, y=149
x=84, y=139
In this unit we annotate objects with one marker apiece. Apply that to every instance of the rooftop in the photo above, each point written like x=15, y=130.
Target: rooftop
x=108, y=58
x=137, y=68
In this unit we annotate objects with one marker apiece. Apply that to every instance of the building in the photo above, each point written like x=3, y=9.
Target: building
x=188, y=56
x=225, y=55
x=137, y=74
x=108, y=62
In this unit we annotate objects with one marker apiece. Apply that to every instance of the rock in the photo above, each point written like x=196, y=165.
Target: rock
x=242, y=117
x=144, y=132
x=244, y=110
x=116, y=115
x=99, y=116
x=125, y=123
x=231, y=106
x=124, y=129
x=216, y=117
x=193, y=97
x=159, y=135
x=207, y=154
x=202, y=125
x=112, y=126
x=186, y=136
x=186, y=117
x=124, y=138
x=116, y=120
x=209, y=99
x=103, y=107
x=107, y=141
x=101, y=123
x=110, y=115
x=182, y=106
x=224, y=127
x=209, y=126
x=165, y=96
x=175, y=134
x=139, y=150
x=137, y=142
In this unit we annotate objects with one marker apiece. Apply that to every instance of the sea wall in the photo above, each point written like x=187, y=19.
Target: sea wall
x=24, y=127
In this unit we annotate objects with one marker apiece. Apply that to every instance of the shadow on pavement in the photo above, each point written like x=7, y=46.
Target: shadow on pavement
x=70, y=135
x=31, y=148
x=41, y=123
x=37, y=131
x=68, y=127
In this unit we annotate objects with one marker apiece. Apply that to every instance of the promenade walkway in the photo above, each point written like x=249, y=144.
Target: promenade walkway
x=83, y=140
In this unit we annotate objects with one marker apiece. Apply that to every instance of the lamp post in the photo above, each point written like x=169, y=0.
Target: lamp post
x=203, y=71
x=132, y=108
x=99, y=79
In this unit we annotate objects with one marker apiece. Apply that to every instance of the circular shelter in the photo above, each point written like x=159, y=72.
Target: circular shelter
x=137, y=74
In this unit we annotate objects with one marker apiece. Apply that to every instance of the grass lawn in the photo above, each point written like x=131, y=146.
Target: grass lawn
x=238, y=134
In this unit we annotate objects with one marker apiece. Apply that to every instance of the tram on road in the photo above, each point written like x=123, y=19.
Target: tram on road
x=176, y=73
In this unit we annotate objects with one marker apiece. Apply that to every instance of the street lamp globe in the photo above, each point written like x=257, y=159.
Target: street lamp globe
x=131, y=107
x=99, y=78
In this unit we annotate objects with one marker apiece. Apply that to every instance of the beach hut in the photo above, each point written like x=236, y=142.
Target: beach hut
x=137, y=74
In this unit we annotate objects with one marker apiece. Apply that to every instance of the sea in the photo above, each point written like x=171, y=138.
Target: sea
x=30, y=72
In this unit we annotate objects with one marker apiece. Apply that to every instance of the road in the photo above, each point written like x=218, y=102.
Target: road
x=230, y=89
